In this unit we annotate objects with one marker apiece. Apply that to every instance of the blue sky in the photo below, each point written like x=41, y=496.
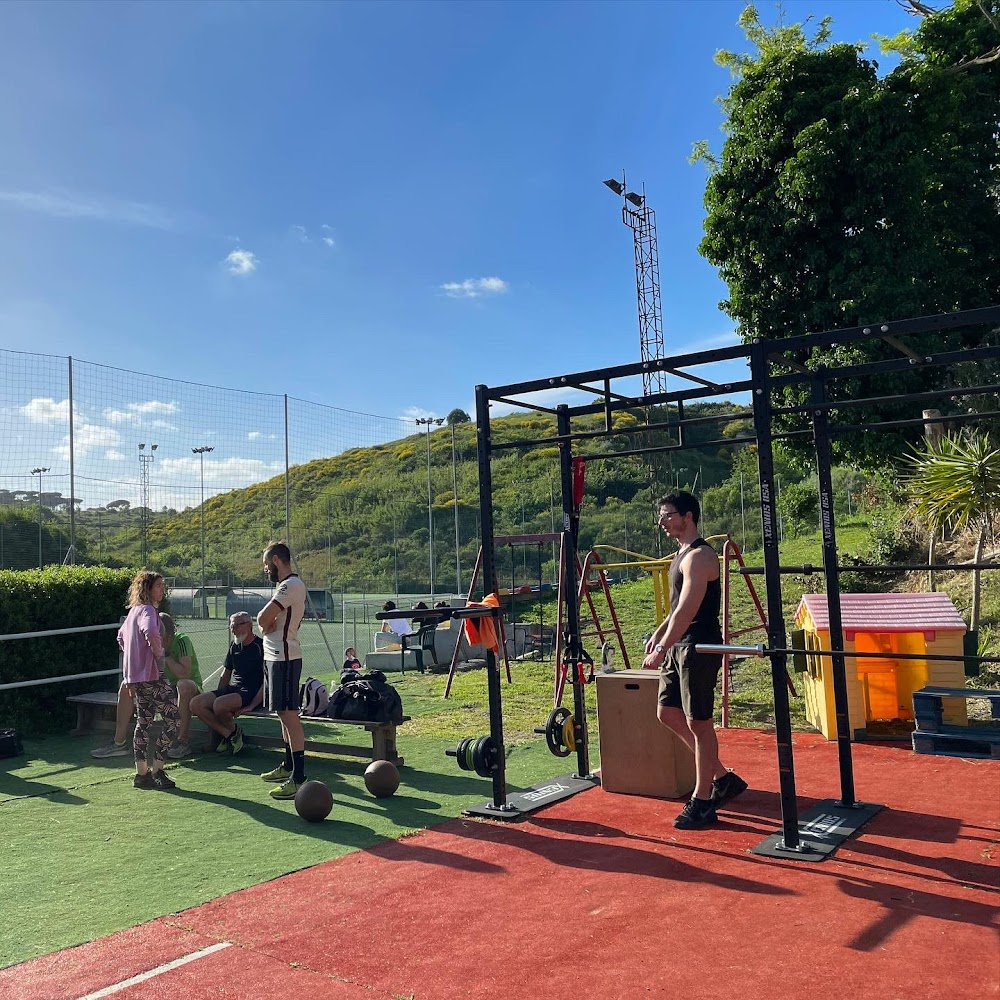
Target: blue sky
x=370, y=205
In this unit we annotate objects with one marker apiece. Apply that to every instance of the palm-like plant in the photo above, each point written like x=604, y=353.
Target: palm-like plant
x=955, y=483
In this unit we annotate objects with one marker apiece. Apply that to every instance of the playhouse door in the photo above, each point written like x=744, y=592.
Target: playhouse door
x=881, y=691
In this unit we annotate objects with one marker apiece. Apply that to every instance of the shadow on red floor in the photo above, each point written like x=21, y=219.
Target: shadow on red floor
x=600, y=897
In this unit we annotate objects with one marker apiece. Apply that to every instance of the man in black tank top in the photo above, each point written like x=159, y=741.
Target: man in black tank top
x=687, y=678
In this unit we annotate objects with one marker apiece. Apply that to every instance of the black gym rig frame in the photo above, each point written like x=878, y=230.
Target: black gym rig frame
x=810, y=837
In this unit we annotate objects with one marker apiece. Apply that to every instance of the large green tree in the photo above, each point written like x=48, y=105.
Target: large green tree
x=845, y=197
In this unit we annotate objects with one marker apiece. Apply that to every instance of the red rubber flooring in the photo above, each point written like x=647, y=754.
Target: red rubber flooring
x=600, y=897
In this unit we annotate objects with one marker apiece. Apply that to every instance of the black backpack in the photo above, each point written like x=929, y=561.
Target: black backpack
x=365, y=697
x=10, y=743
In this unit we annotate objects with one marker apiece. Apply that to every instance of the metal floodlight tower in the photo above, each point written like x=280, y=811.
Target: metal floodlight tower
x=426, y=422
x=641, y=219
x=200, y=452
x=145, y=461
x=37, y=471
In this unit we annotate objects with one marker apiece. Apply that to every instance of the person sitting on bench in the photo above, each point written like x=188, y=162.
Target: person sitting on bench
x=182, y=671
x=398, y=625
x=241, y=687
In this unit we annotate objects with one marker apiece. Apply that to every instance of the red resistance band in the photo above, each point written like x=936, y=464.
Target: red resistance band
x=578, y=671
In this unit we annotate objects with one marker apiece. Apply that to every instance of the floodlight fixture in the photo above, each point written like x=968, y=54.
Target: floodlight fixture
x=616, y=186
x=636, y=199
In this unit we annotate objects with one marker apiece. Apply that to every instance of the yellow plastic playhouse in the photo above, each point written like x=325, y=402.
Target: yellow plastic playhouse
x=881, y=689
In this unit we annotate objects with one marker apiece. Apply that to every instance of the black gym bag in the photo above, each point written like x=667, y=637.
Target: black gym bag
x=10, y=743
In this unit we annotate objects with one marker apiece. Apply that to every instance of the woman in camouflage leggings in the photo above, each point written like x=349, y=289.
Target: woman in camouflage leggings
x=142, y=672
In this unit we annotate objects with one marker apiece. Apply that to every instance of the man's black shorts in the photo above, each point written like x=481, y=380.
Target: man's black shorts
x=281, y=685
x=687, y=682
x=246, y=697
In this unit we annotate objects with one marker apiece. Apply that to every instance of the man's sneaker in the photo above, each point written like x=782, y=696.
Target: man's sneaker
x=286, y=790
x=112, y=749
x=236, y=739
x=180, y=749
x=224, y=745
x=143, y=781
x=726, y=788
x=162, y=781
x=696, y=814
x=278, y=774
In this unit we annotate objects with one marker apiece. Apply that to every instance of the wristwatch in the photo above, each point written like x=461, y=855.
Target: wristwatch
x=658, y=648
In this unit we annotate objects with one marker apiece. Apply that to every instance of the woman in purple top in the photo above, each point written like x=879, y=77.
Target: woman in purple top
x=142, y=672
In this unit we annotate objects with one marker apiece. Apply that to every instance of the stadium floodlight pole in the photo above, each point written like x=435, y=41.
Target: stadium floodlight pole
x=145, y=461
x=454, y=486
x=427, y=422
x=200, y=452
x=37, y=471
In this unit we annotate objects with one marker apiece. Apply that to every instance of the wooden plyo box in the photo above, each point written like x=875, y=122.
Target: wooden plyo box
x=639, y=755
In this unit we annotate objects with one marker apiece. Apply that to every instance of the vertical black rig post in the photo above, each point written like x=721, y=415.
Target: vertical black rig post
x=484, y=442
x=821, y=440
x=763, y=427
x=571, y=647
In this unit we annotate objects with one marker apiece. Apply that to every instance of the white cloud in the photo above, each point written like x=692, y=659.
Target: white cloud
x=229, y=473
x=328, y=240
x=473, y=288
x=70, y=206
x=43, y=410
x=241, y=262
x=300, y=232
x=413, y=412
x=154, y=406
x=253, y=435
x=328, y=235
x=135, y=412
x=114, y=456
x=86, y=437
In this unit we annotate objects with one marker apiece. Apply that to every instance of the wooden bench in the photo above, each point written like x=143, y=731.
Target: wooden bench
x=95, y=713
x=935, y=736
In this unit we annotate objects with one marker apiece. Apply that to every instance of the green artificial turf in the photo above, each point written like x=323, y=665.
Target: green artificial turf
x=86, y=854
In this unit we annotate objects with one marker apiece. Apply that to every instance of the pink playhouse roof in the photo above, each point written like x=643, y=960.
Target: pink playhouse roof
x=887, y=612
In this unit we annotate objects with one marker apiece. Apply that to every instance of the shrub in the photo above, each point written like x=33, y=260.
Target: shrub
x=57, y=597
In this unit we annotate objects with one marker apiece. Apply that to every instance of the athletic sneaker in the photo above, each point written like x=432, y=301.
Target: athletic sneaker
x=236, y=739
x=163, y=781
x=112, y=749
x=143, y=781
x=180, y=749
x=224, y=745
x=286, y=790
x=696, y=814
x=278, y=774
x=726, y=788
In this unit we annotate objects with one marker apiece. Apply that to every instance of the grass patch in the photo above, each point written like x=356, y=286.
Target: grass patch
x=87, y=855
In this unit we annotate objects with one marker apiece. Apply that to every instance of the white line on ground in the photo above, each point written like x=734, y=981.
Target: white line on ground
x=158, y=971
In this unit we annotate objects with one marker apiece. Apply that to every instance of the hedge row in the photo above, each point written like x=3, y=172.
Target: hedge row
x=56, y=597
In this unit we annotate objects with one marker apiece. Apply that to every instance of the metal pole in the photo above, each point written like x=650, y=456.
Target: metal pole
x=572, y=649
x=763, y=428
x=288, y=509
x=489, y=583
x=821, y=437
x=72, y=475
x=200, y=452
x=743, y=512
x=430, y=511
x=204, y=596
x=40, y=471
x=625, y=546
x=454, y=487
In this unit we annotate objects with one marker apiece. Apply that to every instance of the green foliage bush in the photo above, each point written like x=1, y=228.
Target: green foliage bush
x=57, y=597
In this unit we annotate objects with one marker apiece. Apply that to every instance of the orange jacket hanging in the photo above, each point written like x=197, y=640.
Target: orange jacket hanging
x=481, y=631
